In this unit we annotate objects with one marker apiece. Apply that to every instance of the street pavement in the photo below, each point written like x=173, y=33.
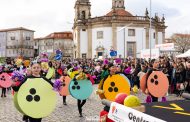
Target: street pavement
x=62, y=113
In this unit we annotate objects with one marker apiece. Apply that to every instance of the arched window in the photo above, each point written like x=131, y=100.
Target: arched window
x=83, y=16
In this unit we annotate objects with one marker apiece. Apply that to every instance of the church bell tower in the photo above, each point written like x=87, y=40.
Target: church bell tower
x=80, y=28
x=118, y=4
x=82, y=10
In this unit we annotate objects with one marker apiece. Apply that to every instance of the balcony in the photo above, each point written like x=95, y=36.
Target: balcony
x=10, y=47
x=19, y=46
x=124, y=18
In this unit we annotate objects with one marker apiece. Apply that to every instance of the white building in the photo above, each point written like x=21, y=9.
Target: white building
x=54, y=41
x=16, y=41
x=118, y=29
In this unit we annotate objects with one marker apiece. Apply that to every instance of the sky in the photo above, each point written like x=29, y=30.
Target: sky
x=48, y=16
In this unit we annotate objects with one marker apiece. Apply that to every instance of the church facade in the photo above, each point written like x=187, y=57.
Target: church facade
x=118, y=30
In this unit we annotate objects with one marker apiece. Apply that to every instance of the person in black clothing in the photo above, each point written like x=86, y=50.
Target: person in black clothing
x=188, y=77
x=154, y=68
x=80, y=103
x=135, y=74
x=36, y=68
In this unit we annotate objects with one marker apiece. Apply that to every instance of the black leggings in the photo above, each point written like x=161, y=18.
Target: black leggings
x=3, y=91
x=80, y=104
x=154, y=99
x=64, y=99
x=30, y=119
x=34, y=120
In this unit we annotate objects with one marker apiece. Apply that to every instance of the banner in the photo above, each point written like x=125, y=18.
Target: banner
x=121, y=113
x=145, y=54
x=165, y=47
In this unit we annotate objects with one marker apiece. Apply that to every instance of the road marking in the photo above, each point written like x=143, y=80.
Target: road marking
x=183, y=113
x=175, y=107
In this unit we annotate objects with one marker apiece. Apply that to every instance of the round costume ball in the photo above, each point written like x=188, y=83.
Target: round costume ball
x=132, y=101
x=36, y=98
x=120, y=98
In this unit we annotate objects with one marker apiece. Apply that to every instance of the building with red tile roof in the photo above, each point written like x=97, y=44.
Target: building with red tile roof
x=55, y=41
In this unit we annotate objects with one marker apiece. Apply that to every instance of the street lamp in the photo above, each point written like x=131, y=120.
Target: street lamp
x=150, y=29
x=123, y=28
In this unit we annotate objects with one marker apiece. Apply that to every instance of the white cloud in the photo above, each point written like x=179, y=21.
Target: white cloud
x=47, y=16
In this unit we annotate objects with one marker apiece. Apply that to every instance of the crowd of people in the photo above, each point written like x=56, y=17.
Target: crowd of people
x=177, y=71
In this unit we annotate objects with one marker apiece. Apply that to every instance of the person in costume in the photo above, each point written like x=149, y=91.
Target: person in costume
x=155, y=66
x=36, y=69
x=17, y=77
x=44, y=63
x=28, y=71
x=3, y=93
x=58, y=70
x=51, y=71
x=64, y=97
x=112, y=70
x=80, y=76
x=7, y=70
x=105, y=69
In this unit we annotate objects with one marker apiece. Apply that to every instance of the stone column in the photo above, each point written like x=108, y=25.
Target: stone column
x=156, y=36
x=163, y=36
x=89, y=33
x=78, y=43
x=147, y=38
x=114, y=36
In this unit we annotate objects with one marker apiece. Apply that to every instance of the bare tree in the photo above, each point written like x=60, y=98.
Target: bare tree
x=182, y=41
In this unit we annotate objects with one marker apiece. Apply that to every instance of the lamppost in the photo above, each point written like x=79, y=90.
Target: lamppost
x=143, y=31
x=123, y=28
x=150, y=29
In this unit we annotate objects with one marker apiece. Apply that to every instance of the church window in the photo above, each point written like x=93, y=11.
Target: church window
x=83, y=55
x=131, y=32
x=27, y=38
x=100, y=35
x=12, y=38
x=154, y=35
x=131, y=49
x=83, y=15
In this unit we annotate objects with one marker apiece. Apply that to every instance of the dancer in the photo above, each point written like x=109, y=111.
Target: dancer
x=35, y=69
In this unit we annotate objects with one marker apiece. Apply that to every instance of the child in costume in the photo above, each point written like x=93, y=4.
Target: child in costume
x=5, y=70
x=104, y=113
x=64, y=97
x=35, y=68
x=80, y=76
x=3, y=93
x=51, y=71
x=17, y=78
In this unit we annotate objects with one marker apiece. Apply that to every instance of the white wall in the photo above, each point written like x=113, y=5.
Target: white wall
x=153, y=41
x=28, y=34
x=120, y=41
x=160, y=38
x=106, y=42
x=139, y=38
x=15, y=34
x=83, y=42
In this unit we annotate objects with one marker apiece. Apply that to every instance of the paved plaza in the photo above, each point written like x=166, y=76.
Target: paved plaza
x=62, y=113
